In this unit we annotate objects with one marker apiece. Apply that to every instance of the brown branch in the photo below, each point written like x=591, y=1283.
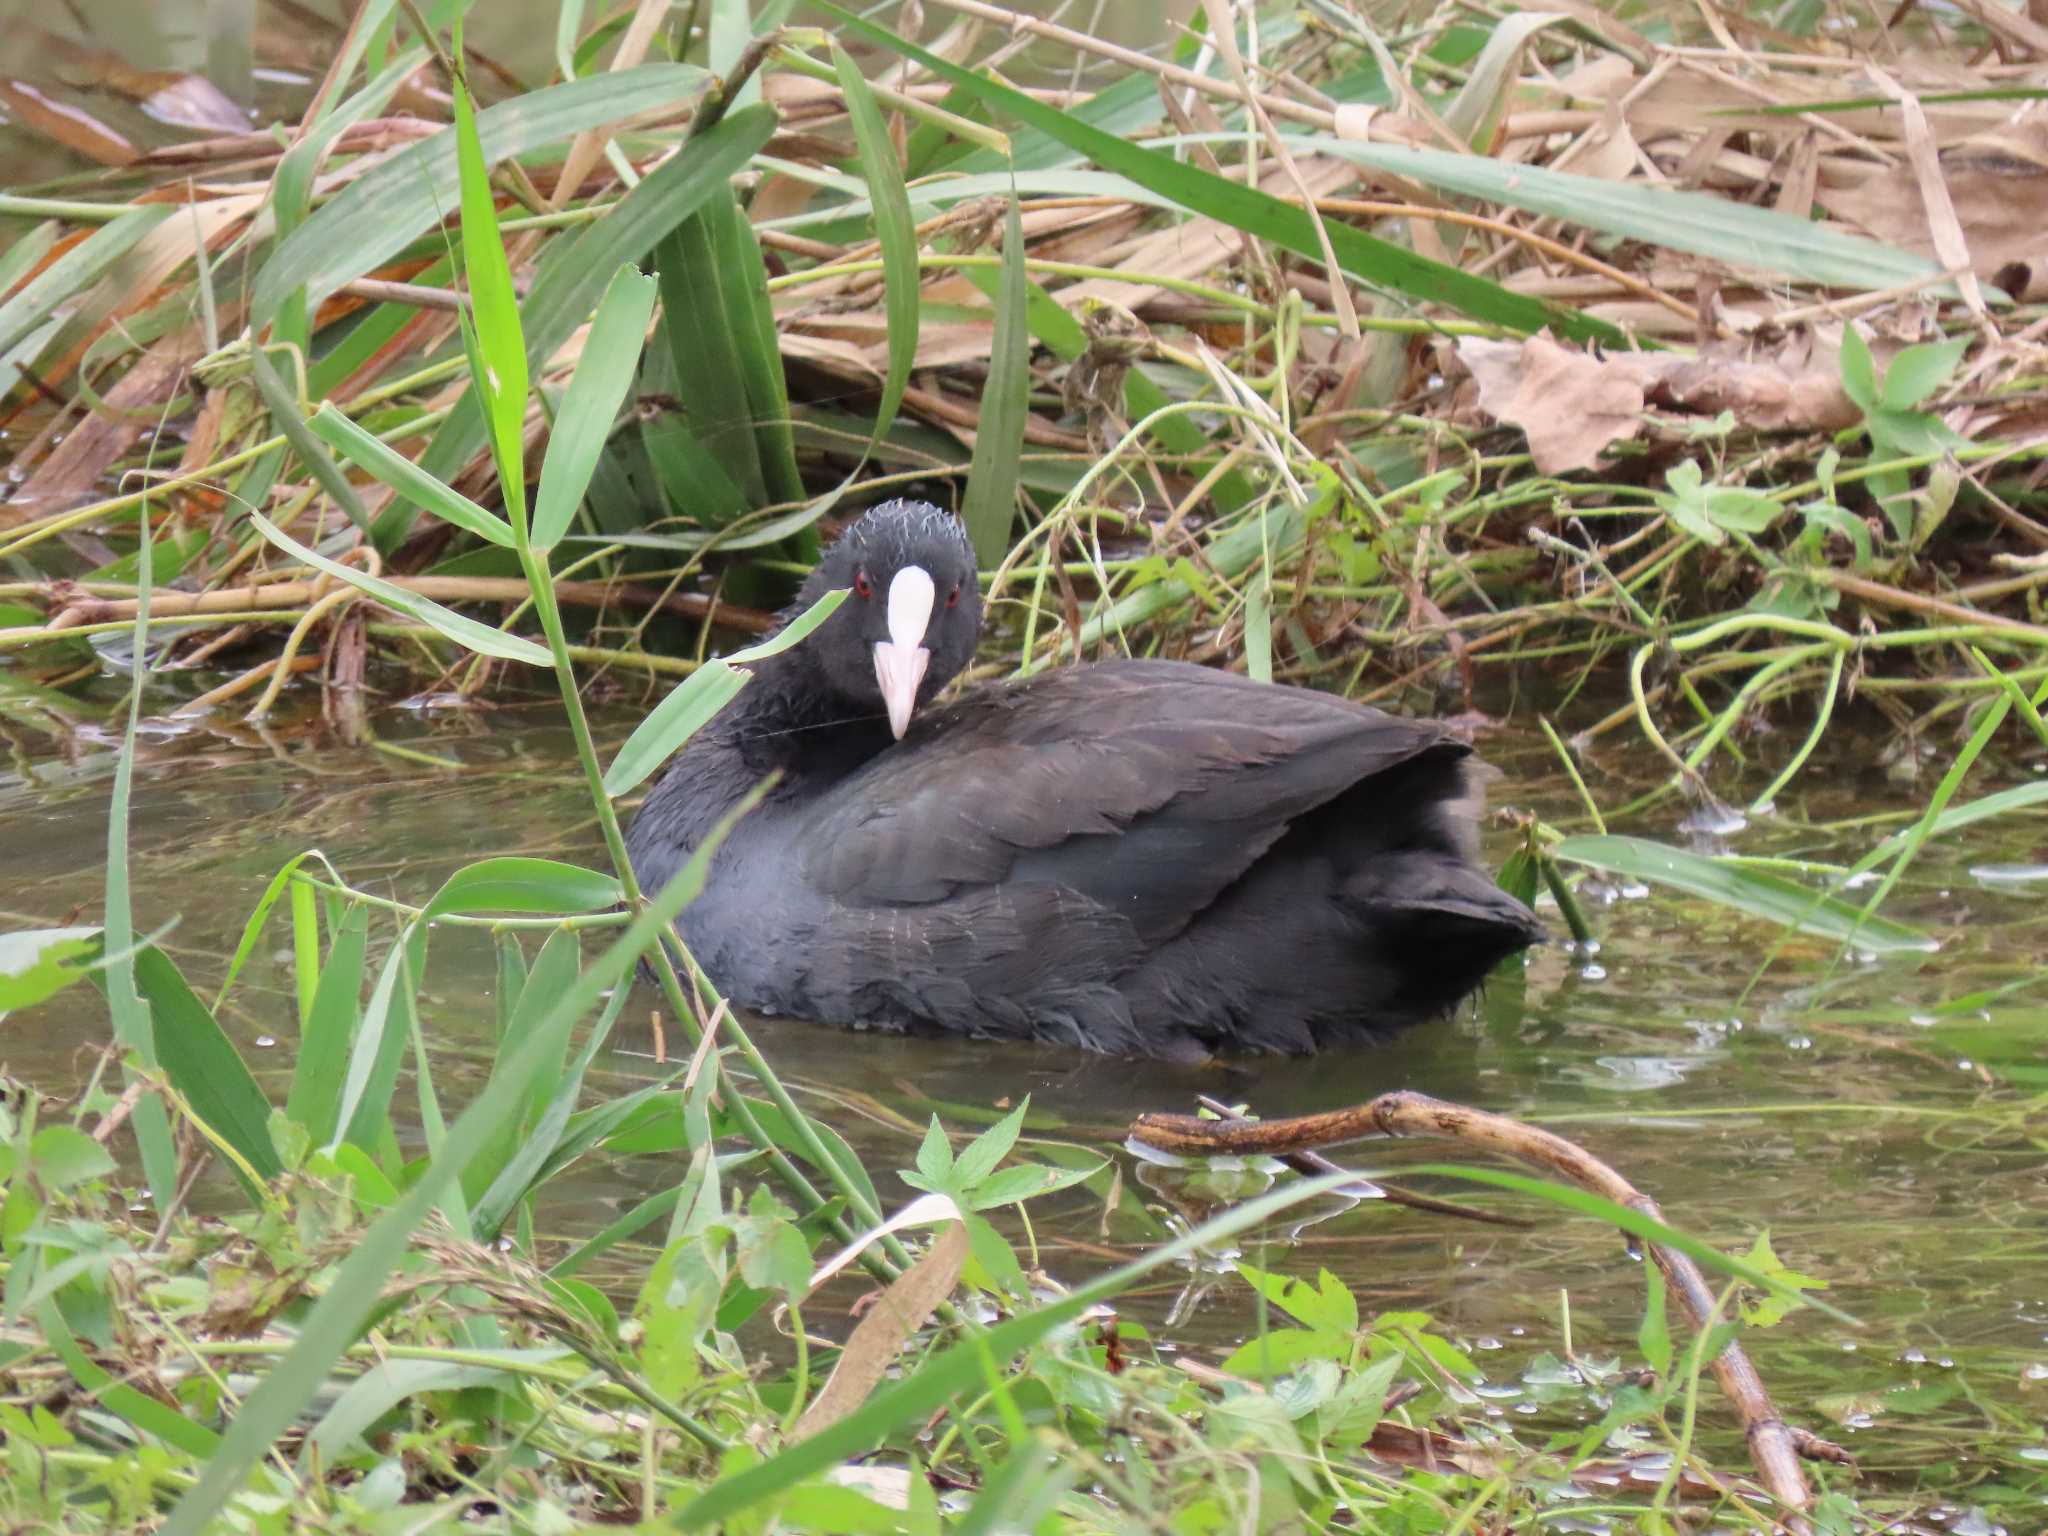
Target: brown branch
x=78, y=609
x=1774, y=1448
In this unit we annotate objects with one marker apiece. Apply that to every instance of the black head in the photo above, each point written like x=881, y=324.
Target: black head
x=913, y=613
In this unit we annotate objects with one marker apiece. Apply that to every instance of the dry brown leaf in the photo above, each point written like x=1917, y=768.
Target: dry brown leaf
x=1997, y=183
x=65, y=123
x=1571, y=405
x=877, y=1339
x=1574, y=406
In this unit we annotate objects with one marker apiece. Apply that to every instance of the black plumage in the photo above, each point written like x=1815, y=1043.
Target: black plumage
x=1140, y=857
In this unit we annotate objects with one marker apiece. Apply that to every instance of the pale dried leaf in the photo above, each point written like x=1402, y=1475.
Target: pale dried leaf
x=877, y=1339
x=1572, y=406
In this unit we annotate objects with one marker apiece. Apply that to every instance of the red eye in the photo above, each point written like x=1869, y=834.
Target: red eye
x=862, y=585
x=953, y=598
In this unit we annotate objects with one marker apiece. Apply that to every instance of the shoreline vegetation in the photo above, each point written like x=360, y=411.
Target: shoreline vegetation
x=1688, y=357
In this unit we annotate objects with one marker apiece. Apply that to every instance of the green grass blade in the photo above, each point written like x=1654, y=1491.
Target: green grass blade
x=314, y=1098
x=990, y=503
x=378, y=215
x=554, y=973
x=572, y=276
x=691, y=263
x=335, y=1320
x=610, y=359
x=291, y=185
x=686, y=710
x=464, y=632
x=369, y=453
x=1757, y=892
x=203, y=1064
x=70, y=273
x=1750, y=239
x=895, y=232
x=493, y=319
x=20, y=257
x=288, y=415
x=130, y=1016
x=252, y=930
x=752, y=317
x=698, y=697
x=1362, y=256
x=519, y=884
x=138, y=1408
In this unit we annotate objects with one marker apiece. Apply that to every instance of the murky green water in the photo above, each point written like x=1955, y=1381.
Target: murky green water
x=1884, y=1121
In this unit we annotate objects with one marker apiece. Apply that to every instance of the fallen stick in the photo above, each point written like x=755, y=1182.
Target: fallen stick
x=1774, y=1448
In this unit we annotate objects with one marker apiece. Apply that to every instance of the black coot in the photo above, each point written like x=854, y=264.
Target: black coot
x=1131, y=856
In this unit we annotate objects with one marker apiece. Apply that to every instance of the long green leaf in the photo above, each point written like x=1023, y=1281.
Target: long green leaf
x=698, y=697
x=358, y=1286
x=895, y=232
x=314, y=1098
x=991, y=500
x=375, y=217
x=285, y=413
x=203, y=1064
x=519, y=884
x=367, y=452
x=71, y=272
x=465, y=632
x=610, y=358
x=130, y=1017
x=291, y=185
x=252, y=929
x=698, y=320
x=492, y=322
x=1755, y=239
x=1362, y=256
x=1757, y=892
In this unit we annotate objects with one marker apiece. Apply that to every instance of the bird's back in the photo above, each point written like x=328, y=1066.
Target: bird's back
x=1144, y=856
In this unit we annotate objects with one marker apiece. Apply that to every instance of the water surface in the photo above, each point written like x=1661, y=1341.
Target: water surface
x=1882, y=1120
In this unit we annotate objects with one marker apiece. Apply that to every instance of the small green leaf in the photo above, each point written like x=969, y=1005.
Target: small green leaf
x=1919, y=371
x=1859, y=372
x=514, y=884
x=978, y=1159
x=1024, y=1181
x=935, y=1156
x=39, y=962
x=1653, y=1337
x=64, y=1157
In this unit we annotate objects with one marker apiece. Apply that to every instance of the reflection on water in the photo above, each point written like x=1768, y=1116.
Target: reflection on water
x=1871, y=1115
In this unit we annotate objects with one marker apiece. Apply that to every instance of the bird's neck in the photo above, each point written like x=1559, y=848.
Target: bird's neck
x=782, y=723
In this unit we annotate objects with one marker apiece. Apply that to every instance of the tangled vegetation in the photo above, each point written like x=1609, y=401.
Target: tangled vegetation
x=1433, y=358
